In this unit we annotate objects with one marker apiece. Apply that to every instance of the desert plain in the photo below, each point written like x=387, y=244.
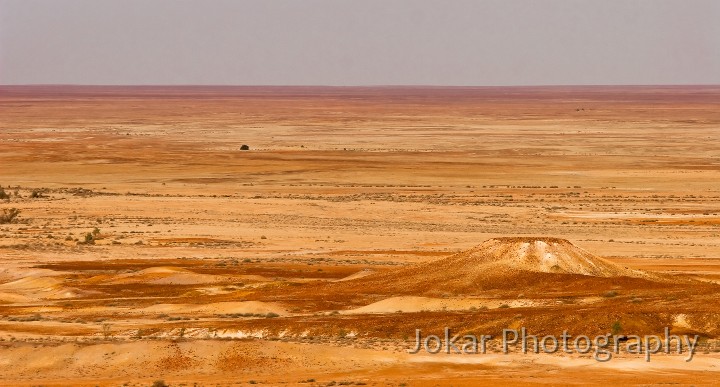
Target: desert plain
x=148, y=246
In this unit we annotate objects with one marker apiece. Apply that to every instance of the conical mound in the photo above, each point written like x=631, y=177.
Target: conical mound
x=539, y=254
x=512, y=262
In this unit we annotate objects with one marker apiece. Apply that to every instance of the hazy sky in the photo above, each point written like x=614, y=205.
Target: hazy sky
x=360, y=42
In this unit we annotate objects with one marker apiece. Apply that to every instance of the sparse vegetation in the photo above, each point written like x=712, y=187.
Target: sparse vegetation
x=33, y=317
x=107, y=330
x=610, y=294
x=9, y=215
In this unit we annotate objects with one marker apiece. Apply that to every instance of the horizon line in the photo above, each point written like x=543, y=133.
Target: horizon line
x=361, y=86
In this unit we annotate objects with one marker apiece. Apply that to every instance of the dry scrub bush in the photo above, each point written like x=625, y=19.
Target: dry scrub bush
x=8, y=215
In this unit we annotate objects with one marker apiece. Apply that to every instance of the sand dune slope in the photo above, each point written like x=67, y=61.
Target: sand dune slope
x=36, y=287
x=165, y=276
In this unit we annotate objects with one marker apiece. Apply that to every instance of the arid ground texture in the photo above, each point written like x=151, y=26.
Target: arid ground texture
x=139, y=242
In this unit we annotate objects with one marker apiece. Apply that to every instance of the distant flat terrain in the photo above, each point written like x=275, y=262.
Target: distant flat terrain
x=146, y=234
